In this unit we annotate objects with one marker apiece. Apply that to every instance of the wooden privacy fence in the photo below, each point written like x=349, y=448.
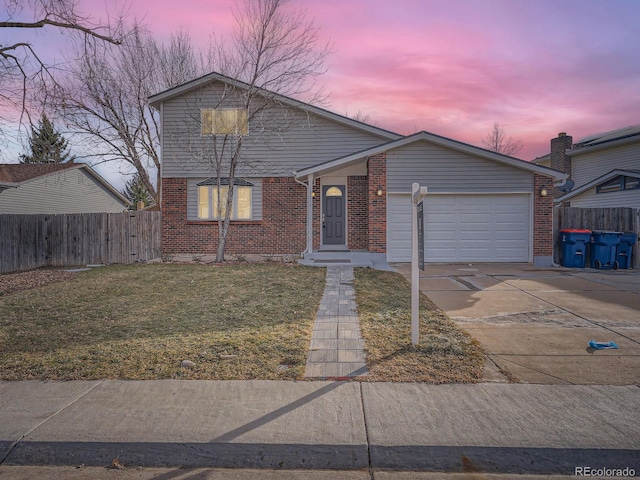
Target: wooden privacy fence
x=619, y=219
x=32, y=241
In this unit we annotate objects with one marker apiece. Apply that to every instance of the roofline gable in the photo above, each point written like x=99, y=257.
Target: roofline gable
x=76, y=166
x=156, y=100
x=618, y=142
x=106, y=184
x=437, y=140
x=598, y=181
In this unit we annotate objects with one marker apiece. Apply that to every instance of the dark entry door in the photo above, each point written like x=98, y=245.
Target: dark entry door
x=333, y=215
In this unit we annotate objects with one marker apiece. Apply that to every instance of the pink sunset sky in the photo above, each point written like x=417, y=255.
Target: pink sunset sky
x=454, y=67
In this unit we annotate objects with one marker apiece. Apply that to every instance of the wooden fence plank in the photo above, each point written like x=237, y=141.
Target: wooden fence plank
x=32, y=241
x=620, y=219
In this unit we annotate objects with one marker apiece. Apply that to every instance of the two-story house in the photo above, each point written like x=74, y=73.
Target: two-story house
x=310, y=180
x=605, y=168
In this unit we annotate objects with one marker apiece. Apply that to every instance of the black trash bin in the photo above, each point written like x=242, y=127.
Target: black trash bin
x=625, y=249
x=602, y=249
x=574, y=247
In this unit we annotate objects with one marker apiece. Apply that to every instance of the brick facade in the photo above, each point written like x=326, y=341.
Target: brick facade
x=377, y=180
x=281, y=231
x=542, y=216
x=358, y=214
x=317, y=227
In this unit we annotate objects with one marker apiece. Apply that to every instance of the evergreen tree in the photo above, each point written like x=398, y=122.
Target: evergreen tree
x=47, y=145
x=135, y=191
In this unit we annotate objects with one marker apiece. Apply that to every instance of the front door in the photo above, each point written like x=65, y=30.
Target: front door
x=333, y=215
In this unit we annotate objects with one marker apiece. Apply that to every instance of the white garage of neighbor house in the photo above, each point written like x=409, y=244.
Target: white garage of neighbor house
x=481, y=206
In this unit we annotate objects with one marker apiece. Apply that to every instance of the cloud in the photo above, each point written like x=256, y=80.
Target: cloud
x=455, y=67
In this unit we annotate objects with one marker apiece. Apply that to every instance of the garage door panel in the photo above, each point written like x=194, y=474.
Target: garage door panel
x=473, y=218
x=505, y=236
x=476, y=238
x=463, y=228
x=431, y=238
x=442, y=218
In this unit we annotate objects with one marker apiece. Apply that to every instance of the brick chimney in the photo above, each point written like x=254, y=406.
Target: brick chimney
x=559, y=159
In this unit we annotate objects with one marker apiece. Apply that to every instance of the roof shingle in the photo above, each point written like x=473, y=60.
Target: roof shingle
x=19, y=172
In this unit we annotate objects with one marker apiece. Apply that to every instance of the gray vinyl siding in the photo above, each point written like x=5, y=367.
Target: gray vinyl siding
x=588, y=167
x=444, y=170
x=67, y=191
x=627, y=198
x=192, y=198
x=280, y=139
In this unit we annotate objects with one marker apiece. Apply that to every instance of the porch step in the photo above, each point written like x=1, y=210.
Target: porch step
x=334, y=248
x=346, y=258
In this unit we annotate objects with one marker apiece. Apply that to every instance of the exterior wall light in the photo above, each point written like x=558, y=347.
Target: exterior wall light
x=379, y=192
x=313, y=194
x=543, y=192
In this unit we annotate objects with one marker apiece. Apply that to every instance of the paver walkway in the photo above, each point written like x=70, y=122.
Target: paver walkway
x=337, y=348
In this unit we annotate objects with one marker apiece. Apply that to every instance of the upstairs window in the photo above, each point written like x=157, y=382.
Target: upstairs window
x=618, y=184
x=223, y=121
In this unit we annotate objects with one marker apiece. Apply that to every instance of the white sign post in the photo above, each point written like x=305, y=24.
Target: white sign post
x=417, y=193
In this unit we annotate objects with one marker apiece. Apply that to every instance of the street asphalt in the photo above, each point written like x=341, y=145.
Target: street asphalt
x=353, y=427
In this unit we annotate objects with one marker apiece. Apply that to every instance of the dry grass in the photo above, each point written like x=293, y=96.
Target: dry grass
x=233, y=322
x=140, y=322
x=15, y=282
x=445, y=353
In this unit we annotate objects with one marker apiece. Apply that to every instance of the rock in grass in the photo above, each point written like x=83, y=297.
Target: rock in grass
x=187, y=364
x=227, y=357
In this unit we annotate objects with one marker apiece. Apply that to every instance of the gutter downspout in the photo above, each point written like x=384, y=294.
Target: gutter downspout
x=309, y=185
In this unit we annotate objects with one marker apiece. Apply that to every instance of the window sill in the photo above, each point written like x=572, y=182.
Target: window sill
x=231, y=222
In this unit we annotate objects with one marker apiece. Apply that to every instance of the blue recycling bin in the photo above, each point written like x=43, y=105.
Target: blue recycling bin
x=574, y=247
x=602, y=249
x=625, y=249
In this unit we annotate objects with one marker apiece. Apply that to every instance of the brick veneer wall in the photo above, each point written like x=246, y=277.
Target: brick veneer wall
x=358, y=214
x=317, y=228
x=377, y=179
x=281, y=231
x=542, y=216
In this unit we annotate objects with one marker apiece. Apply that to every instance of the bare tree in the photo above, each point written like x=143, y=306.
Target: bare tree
x=274, y=52
x=360, y=116
x=496, y=140
x=104, y=99
x=21, y=67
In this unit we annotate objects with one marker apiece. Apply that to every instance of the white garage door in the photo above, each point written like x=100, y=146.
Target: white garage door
x=463, y=228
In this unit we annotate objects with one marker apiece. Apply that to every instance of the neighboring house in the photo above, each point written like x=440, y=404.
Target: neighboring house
x=327, y=182
x=56, y=188
x=605, y=168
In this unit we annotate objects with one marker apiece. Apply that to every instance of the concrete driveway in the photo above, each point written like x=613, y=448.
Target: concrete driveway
x=535, y=323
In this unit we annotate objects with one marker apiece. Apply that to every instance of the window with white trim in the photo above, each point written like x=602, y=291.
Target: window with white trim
x=226, y=121
x=212, y=203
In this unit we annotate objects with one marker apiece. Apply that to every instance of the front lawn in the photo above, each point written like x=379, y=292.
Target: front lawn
x=445, y=354
x=141, y=322
x=247, y=321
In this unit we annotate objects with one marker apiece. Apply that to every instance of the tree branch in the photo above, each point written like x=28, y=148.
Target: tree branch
x=65, y=25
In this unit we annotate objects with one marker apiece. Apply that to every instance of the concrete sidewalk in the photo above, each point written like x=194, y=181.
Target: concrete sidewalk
x=492, y=428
